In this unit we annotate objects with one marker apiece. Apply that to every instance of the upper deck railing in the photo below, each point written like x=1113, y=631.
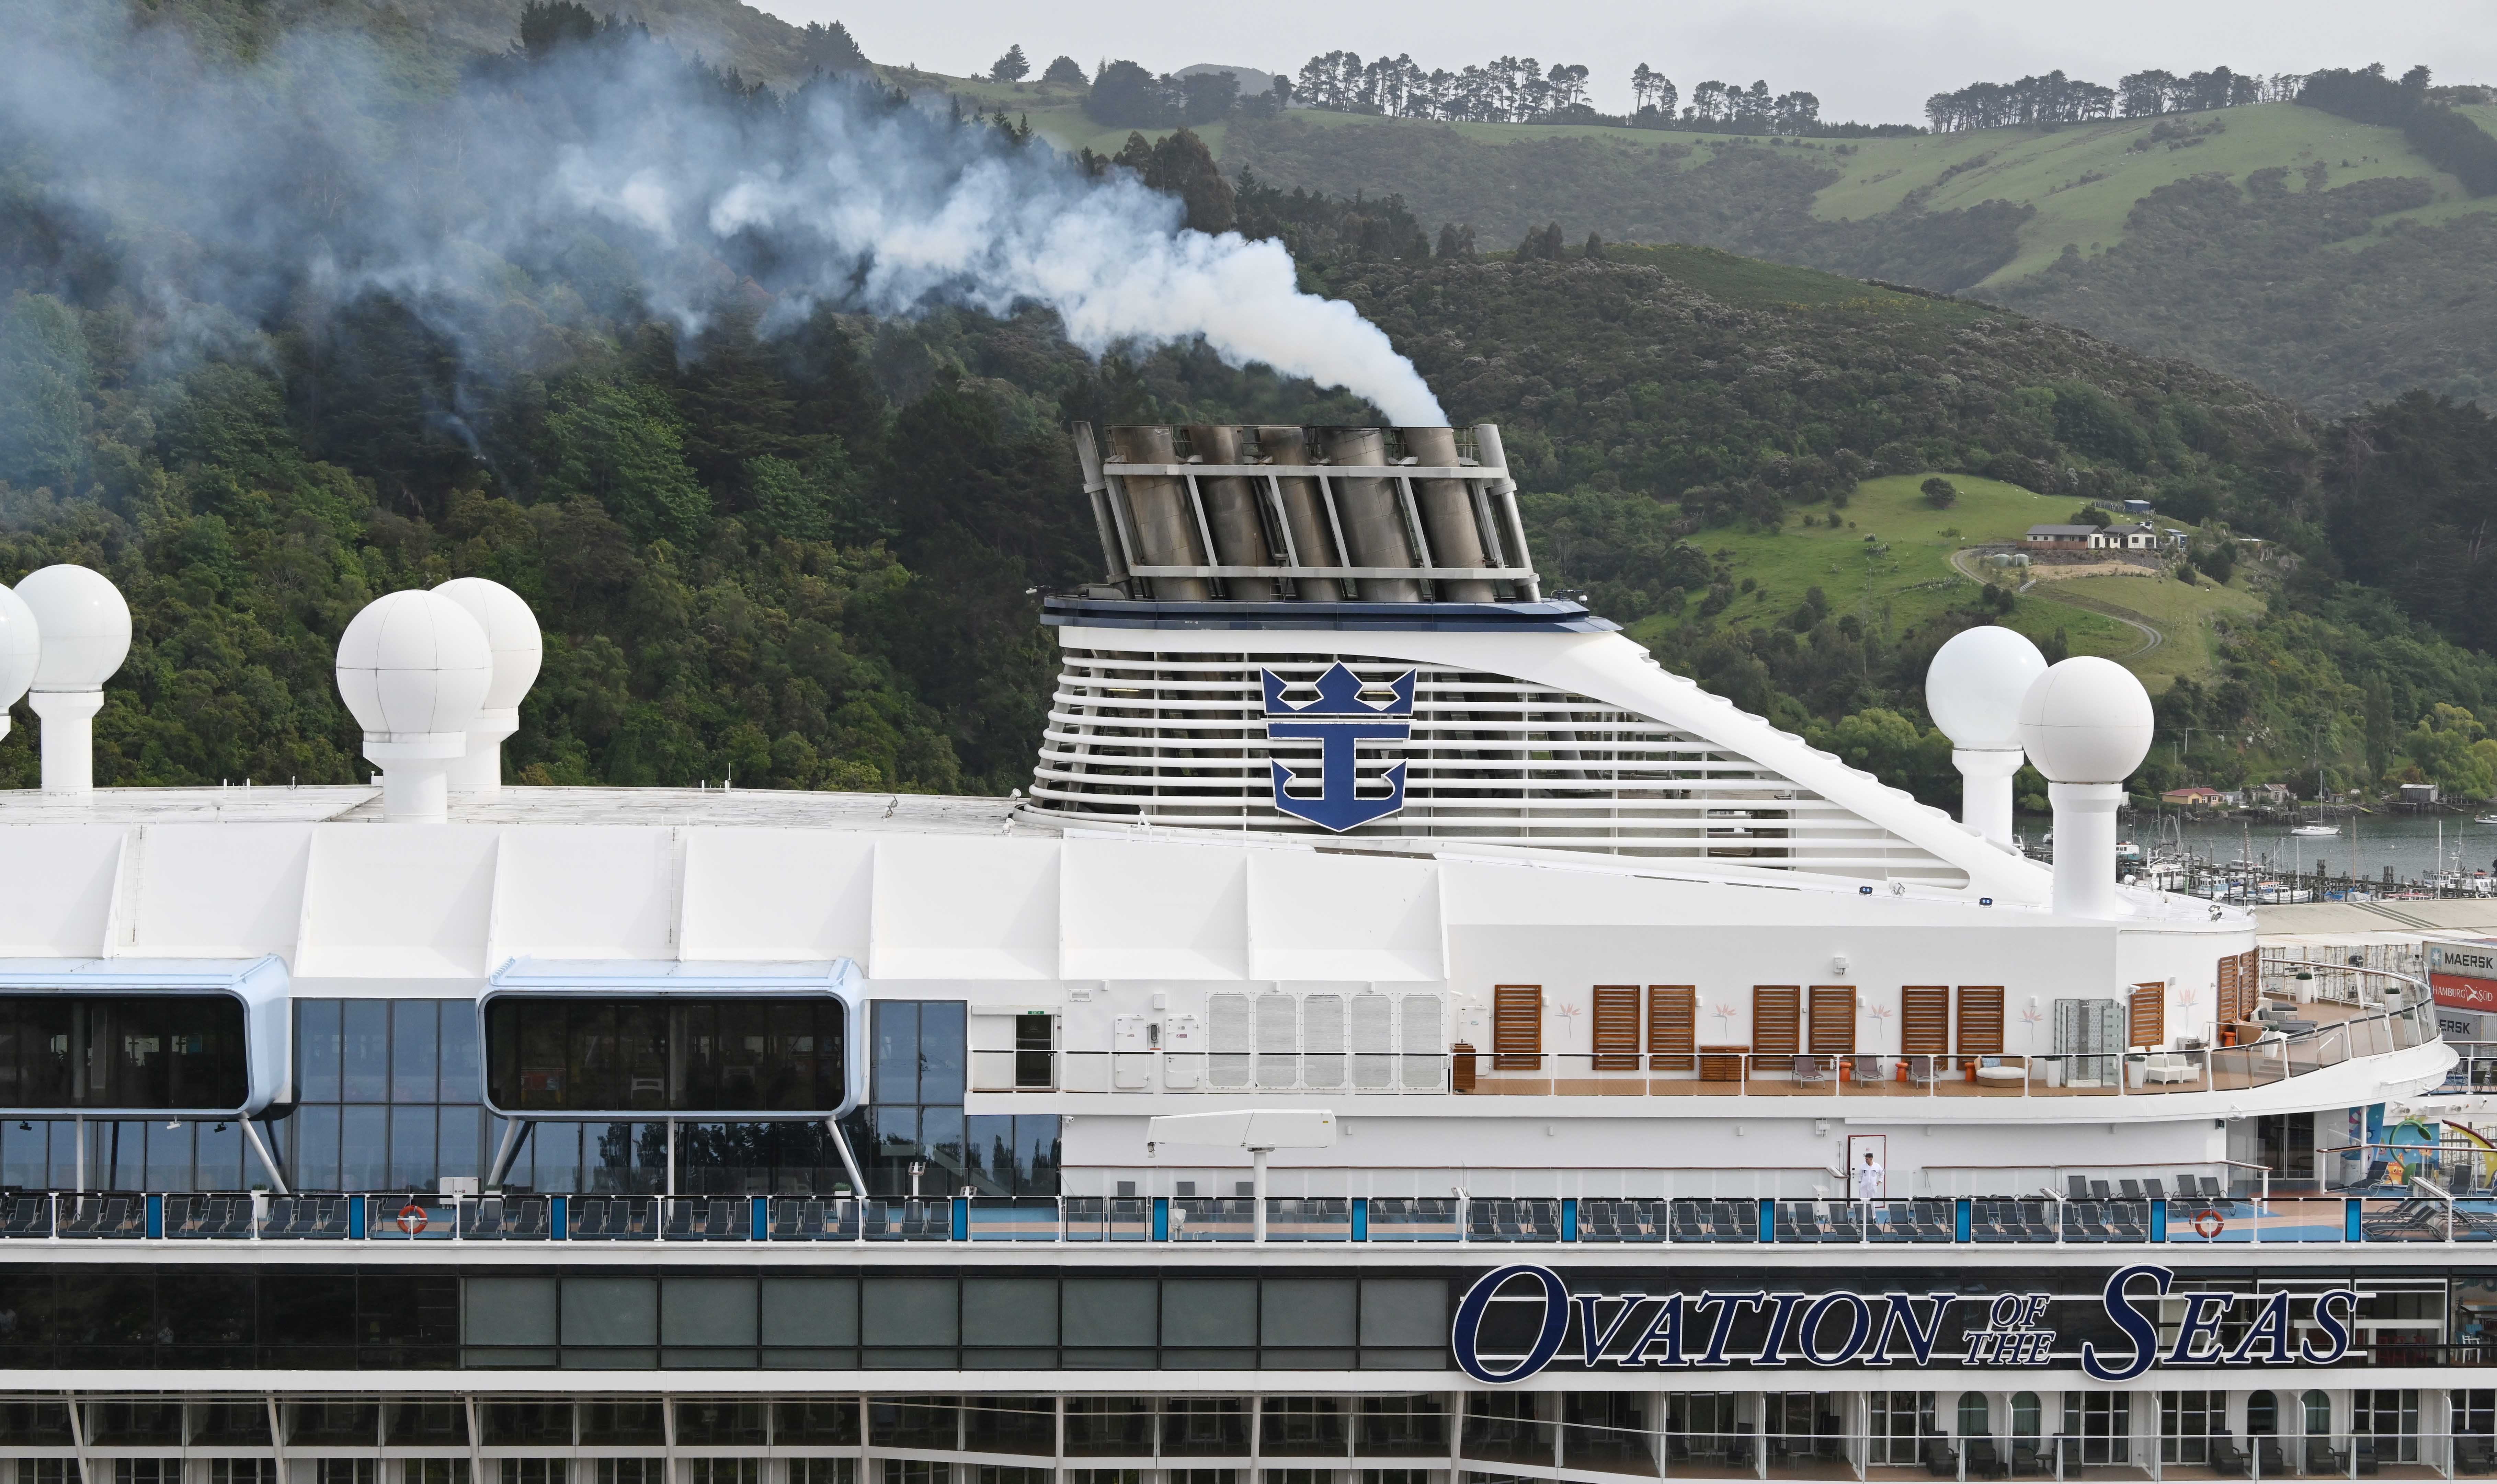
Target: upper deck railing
x=2279, y=1053
x=2090, y=1212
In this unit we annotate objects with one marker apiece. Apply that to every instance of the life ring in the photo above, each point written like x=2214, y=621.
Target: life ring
x=2208, y=1224
x=411, y=1218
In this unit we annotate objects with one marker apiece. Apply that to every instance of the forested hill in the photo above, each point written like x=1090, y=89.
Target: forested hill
x=799, y=544
x=2322, y=256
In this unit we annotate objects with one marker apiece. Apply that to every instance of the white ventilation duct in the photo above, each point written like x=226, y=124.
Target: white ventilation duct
x=512, y=635
x=85, y=629
x=2087, y=726
x=1974, y=688
x=21, y=647
x=413, y=668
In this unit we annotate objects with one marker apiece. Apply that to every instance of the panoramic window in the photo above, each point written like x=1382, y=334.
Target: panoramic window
x=577, y=1055
x=122, y=1051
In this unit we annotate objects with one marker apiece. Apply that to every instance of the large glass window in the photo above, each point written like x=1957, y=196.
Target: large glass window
x=573, y=1054
x=122, y=1051
x=2103, y=1422
x=386, y=1095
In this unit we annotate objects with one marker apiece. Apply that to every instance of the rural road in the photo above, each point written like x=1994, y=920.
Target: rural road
x=2151, y=638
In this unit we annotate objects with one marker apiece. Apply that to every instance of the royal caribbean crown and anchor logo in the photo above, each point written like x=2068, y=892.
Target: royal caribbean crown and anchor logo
x=1339, y=722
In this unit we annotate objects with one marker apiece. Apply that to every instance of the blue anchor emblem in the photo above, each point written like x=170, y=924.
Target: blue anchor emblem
x=1338, y=721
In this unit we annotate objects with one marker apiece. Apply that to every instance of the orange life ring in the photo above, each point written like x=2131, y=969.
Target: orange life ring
x=2208, y=1224
x=411, y=1218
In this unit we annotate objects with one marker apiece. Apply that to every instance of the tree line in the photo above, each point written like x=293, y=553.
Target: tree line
x=2447, y=138
x=1521, y=90
x=2056, y=99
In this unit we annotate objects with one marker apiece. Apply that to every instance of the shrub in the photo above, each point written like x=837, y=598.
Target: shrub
x=1940, y=494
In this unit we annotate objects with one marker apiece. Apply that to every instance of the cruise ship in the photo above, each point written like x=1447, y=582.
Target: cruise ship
x=1403, y=1035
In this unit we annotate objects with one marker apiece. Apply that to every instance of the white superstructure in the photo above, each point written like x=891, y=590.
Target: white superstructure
x=1375, y=923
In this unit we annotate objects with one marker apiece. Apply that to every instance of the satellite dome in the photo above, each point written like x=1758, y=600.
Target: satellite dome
x=413, y=664
x=511, y=634
x=85, y=623
x=2086, y=720
x=1975, y=685
x=20, y=651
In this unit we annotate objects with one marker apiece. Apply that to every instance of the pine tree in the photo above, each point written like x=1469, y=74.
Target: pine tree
x=1011, y=66
x=1065, y=72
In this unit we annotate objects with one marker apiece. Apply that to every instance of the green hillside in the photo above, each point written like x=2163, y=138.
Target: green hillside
x=2322, y=259
x=1895, y=562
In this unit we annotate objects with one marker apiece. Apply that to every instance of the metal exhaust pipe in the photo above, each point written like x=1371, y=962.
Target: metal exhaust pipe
x=1165, y=526
x=1312, y=536
x=1231, y=513
x=1372, y=511
x=1448, y=509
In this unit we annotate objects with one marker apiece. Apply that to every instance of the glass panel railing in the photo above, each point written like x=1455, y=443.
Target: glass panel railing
x=2104, y=1220
x=2410, y=1218
x=208, y=1217
x=815, y=1219
x=1109, y=1219
x=1413, y=1218
x=2007, y=1220
x=1212, y=1218
x=1012, y=1218
x=26, y=1213
x=911, y=1219
x=1494, y=1219
x=297, y=1218
x=1706, y=1221
x=1911, y=1220
x=1816, y=1221
x=611, y=1217
x=1621, y=1219
x=710, y=1218
x=106, y=1215
x=2200, y=1221
x=507, y=1218
x=411, y=1218
x=1308, y=1218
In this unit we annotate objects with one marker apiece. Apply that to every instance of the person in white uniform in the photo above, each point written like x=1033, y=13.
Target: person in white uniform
x=1868, y=1179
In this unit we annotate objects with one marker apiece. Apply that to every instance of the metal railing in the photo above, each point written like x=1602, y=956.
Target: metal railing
x=2284, y=1052
x=2089, y=1213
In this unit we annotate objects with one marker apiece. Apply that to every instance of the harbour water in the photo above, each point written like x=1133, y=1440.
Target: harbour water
x=2409, y=843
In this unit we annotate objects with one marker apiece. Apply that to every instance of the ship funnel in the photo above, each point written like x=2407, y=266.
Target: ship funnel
x=84, y=629
x=1238, y=514
x=2087, y=725
x=1974, y=688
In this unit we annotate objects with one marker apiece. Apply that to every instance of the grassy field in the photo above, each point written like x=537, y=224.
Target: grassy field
x=1903, y=573
x=2083, y=179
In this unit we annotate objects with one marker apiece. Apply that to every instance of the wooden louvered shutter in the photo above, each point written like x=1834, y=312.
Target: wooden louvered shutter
x=2249, y=983
x=1925, y=1020
x=1980, y=1020
x=1672, y=1028
x=1833, y=1019
x=2147, y=1023
x=1617, y=1027
x=2227, y=1006
x=1777, y=1016
x=1517, y=1028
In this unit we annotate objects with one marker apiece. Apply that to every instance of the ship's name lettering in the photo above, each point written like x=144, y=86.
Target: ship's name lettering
x=1695, y=1330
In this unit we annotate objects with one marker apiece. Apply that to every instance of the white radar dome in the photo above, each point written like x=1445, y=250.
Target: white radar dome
x=20, y=650
x=511, y=634
x=1976, y=683
x=85, y=627
x=413, y=664
x=2086, y=720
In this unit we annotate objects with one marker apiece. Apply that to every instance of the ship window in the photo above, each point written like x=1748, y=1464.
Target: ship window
x=2026, y=1419
x=121, y=1051
x=822, y=1470
x=2319, y=1414
x=2262, y=1415
x=577, y=1055
x=1976, y=1416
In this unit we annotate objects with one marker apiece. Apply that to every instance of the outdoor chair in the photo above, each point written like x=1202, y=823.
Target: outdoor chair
x=1983, y=1461
x=2227, y=1460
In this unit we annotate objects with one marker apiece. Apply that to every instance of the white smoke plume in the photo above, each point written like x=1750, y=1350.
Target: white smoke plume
x=318, y=173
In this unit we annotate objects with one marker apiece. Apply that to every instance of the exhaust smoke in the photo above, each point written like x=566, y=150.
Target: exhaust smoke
x=319, y=173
